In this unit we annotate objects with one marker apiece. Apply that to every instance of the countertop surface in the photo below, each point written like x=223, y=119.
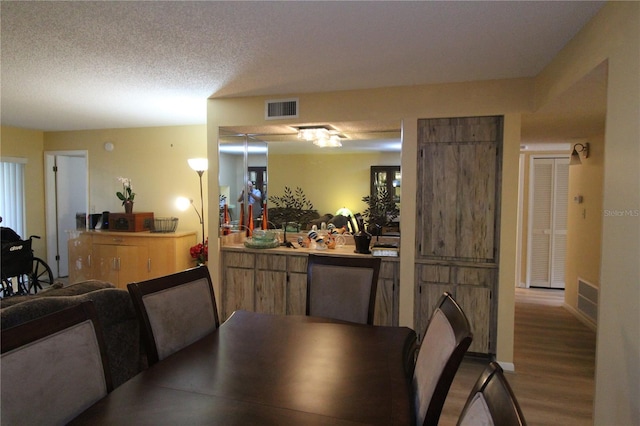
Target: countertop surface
x=346, y=250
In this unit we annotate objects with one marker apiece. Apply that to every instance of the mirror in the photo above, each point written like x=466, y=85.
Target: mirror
x=330, y=178
x=243, y=159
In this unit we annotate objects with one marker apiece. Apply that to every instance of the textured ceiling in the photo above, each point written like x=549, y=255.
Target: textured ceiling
x=90, y=65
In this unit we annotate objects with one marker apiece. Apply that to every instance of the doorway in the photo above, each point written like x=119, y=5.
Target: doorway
x=66, y=201
x=547, y=233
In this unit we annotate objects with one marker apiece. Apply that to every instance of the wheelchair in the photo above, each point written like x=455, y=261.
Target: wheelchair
x=22, y=272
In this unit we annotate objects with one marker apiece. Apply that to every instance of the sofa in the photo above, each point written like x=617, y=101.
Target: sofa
x=116, y=314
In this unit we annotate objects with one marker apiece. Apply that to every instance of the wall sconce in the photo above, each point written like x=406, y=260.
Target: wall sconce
x=575, y=156
x=200, y=165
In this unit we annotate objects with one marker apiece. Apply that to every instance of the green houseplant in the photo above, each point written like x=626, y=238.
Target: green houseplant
x=293, y=209
x=381, y=210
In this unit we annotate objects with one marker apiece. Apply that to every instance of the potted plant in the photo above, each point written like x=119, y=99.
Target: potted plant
x=292, y=209
x=381, y=210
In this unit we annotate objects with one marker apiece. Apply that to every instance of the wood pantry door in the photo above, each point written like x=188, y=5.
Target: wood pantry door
x=547, y=233
x=458, y=221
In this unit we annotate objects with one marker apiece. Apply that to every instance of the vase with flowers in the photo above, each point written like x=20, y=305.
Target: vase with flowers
x=200, y=252
x=127, y=195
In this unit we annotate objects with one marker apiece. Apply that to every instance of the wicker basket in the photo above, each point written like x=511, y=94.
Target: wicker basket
x=165, y=224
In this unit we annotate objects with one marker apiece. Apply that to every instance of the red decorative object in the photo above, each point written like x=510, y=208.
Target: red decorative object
x=250, y=221
x=265, y=219
x=226, y=230
x=200, y=253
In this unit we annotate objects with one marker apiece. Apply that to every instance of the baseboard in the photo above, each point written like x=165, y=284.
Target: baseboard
x=582, y=318
x=507, y=366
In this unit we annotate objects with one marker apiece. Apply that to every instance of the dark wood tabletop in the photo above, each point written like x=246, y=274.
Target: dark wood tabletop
x=272, y=369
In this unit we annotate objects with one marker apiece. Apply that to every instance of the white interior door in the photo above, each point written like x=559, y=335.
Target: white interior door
x=548, y=203
x=66, y=186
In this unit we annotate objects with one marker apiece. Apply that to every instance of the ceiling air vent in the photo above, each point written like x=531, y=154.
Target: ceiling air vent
x=281, y=108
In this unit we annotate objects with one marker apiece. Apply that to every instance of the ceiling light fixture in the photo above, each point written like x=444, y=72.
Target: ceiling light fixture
x=320, y=136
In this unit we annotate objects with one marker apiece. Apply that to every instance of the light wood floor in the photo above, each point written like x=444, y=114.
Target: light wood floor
x=554, y=357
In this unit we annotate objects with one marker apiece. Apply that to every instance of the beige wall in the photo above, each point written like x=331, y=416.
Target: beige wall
x=613, y=35
x=154, y=158
x=407, y=104
x=584, y=234
x=28, y=144
x=329, y=181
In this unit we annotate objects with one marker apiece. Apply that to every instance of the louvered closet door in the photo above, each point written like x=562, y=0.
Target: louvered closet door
x=548, y=202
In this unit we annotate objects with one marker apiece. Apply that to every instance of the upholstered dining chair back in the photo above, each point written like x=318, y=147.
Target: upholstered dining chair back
x=342, y=288
x=446, y=340
x=492, y=401
x=175, y=310
x=53, y=367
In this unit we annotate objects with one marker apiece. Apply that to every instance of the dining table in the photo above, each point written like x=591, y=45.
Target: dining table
x=272, y=370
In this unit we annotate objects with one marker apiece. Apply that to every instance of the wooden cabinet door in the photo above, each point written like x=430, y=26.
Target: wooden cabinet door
x=238, y=286
x=386, y=299
x=104, y=263
x=270, y=295
x=458, y=220
x=133, y=264
x=120, y=265
x=238, y=290
x=162, y=257
x=79, y=258
x=475, y=302
x=296, y=285
x=271, y=281
x=458, y=188
x=296, y=294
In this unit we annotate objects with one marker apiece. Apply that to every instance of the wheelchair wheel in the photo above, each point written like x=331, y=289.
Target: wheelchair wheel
x=7, y=287
x=40, y=275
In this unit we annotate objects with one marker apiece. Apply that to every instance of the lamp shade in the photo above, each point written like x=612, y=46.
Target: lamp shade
x=198, y=164
x=344, y=212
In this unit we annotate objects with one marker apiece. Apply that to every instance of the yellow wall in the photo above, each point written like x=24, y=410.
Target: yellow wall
x=154, y=158
x=28, y=144
x=329, y=181
x=584, y=236
x=612, y=35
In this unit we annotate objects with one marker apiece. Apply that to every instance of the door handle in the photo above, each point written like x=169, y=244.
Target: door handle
x=149, y=265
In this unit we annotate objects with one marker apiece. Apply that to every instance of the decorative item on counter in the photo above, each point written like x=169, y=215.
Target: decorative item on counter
x=200, y=252
x=265, y=218
x=165, y=224
x=361, y=238
x=127, y=195
x=226, y=229
x=262, y=239
x=241, y=221
x=250, y=221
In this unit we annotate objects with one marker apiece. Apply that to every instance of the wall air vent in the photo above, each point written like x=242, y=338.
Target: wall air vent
x=588, y=300
x=281, y=108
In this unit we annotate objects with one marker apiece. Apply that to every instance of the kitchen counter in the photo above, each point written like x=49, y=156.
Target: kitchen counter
x=346, y=250
x=274, y=280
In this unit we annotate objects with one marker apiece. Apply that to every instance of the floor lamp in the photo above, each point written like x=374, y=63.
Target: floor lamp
x=200, y=165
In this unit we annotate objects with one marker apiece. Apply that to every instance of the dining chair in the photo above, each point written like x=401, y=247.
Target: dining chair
x=174, y=310
x=492, y=401
x=53, y=367
x=446, y=340
x=342, y=288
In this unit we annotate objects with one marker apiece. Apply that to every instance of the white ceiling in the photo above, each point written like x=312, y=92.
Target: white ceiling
x=92, y=65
